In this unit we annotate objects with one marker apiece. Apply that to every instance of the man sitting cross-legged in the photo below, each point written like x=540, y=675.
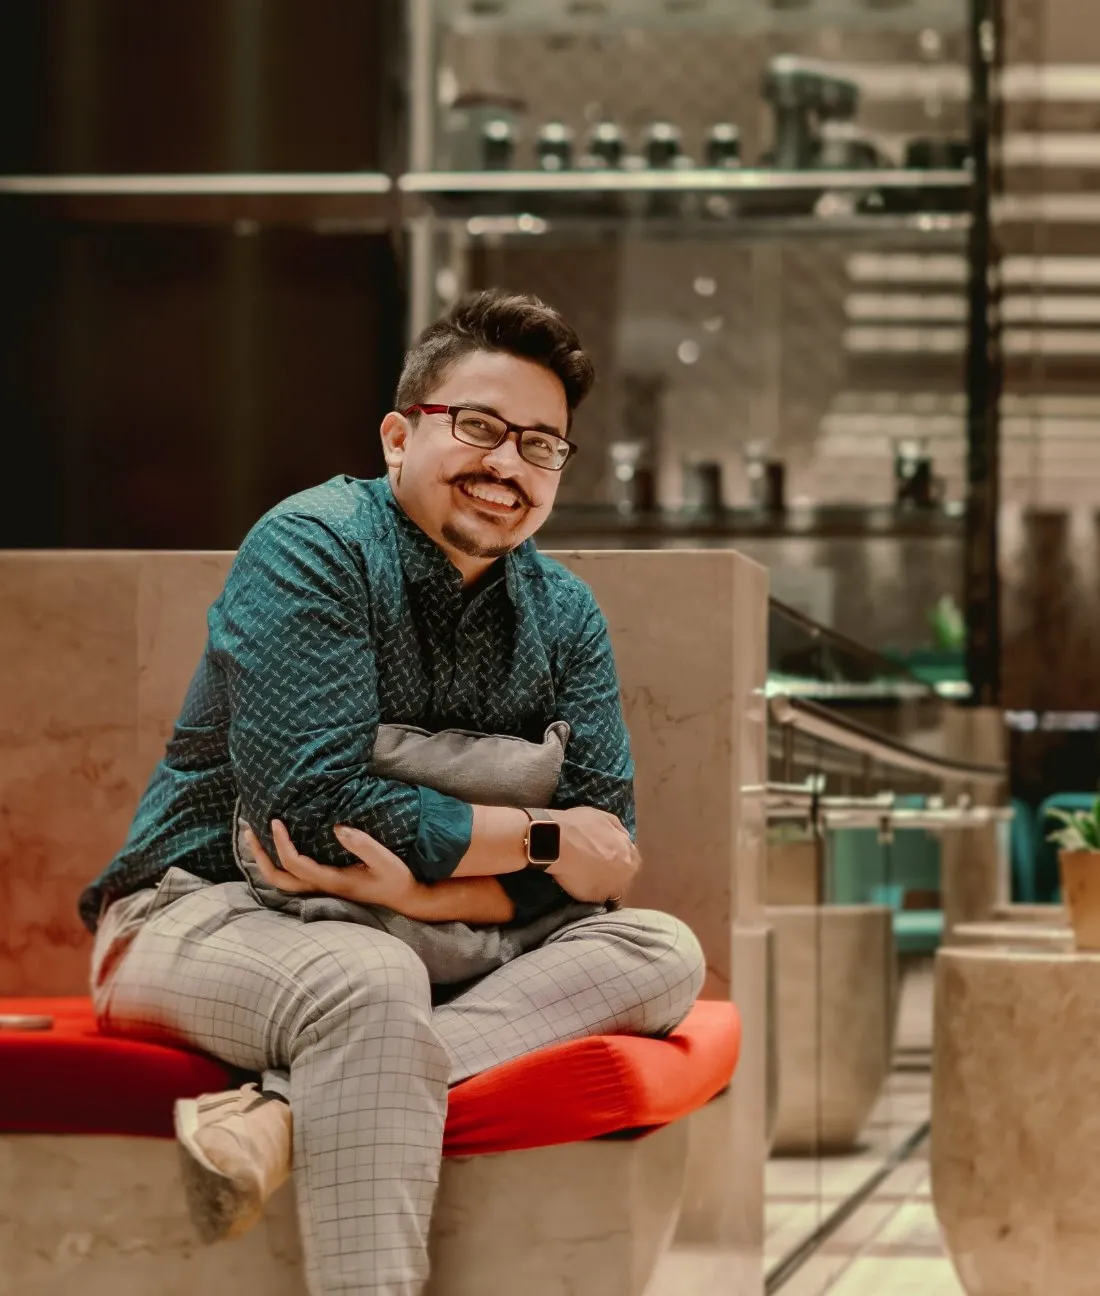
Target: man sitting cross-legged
x=359, y=609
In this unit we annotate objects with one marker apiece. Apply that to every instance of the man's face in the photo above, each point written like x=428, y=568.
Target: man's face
x=477, y=504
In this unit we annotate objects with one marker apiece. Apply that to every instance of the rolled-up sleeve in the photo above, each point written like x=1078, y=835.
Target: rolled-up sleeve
x=292, y=633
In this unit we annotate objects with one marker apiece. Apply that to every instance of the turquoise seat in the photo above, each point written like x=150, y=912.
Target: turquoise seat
x=864, y=871
x=1047, y=884
x=916, y=931
x=1022, y=847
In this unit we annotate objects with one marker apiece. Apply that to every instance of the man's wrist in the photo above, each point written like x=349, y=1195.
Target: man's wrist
x=419, y=903
x=496, y=843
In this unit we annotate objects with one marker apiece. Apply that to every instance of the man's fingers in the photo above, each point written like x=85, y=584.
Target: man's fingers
x=314, y=876
x=270, y=874
x=360, y=844
x=289, y=857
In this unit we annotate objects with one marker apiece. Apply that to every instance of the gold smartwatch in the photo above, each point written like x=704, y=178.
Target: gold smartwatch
x=543, y=840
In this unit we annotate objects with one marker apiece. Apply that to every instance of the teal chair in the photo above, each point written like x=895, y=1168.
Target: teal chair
x=861, y=873
x=1022, y=852
x=916, y=931
x=1047, y=883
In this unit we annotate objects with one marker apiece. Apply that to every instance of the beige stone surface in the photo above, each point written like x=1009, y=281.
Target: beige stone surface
x=69, y=774
x=1015, y=1120
x=585, y=1219
x=690, y=637
x=1014, y=935
x=974, y=868
x=104, y=1216
x=795, y=871
x=1045, y=915
x=836, y=989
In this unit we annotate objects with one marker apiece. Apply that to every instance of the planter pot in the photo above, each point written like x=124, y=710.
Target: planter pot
x=836, y=1007
x=1080, y=872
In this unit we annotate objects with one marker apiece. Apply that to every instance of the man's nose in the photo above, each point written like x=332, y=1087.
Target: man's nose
x=506, y=457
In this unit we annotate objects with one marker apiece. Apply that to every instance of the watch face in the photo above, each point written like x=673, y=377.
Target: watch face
x=543, y=842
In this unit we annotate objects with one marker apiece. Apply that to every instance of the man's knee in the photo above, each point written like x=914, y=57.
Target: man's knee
x=379, y=974
x=679, y=950
x=674, y=958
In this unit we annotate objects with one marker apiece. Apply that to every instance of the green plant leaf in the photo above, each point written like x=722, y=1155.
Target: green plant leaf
x=1063, y=816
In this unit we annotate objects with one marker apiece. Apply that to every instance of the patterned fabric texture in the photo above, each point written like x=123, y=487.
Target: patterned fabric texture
x=340, y=614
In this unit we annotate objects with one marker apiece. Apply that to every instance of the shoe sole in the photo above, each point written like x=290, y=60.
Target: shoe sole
x=219, y=1207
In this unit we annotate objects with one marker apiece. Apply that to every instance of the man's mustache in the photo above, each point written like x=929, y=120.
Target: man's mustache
x=480, y=479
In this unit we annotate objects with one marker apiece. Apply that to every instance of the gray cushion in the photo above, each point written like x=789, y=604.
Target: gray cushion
x=483, y=769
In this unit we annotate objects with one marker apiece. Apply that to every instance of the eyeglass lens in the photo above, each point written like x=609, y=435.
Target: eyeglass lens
x=538, y=448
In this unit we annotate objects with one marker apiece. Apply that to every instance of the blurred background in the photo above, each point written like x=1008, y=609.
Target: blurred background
x=837, y=262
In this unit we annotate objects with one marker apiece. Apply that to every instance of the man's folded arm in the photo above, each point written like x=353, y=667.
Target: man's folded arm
x=292, y=632
x=598, y=769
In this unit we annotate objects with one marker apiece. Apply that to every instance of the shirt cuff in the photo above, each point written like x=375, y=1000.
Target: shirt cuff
x=443, y=837
x=533, y=893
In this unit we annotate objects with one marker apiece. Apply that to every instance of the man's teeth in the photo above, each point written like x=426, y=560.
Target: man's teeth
x=492, y=495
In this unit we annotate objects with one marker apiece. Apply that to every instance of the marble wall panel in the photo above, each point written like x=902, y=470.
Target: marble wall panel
x=689, y=636
x=174, y=592
x=69, y=776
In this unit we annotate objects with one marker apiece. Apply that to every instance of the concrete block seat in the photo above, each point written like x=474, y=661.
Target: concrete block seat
x=86, y=1119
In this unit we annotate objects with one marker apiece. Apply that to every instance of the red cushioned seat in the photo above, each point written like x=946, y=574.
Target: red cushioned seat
x=74, y=1080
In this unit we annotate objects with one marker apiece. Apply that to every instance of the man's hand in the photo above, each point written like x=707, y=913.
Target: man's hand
x=382, y=878
x=598, y=860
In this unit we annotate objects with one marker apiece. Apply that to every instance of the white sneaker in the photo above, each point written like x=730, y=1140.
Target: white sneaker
x=235, y=1150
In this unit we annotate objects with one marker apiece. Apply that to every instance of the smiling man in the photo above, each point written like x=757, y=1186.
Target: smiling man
x=419, y=600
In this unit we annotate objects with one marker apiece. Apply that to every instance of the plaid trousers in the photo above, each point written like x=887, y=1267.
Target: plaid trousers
x=347, y=1011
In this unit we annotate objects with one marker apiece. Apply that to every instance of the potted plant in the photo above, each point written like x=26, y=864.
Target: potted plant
x=1079, y=867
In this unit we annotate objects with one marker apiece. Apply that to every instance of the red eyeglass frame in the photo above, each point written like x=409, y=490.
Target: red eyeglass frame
x=509, y=428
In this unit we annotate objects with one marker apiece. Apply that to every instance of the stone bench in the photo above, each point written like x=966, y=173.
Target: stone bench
x=95, y=653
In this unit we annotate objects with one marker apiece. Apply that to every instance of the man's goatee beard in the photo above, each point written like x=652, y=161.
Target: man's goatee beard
x=465, y=543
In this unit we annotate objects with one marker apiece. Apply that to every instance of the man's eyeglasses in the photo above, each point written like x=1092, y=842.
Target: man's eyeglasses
x=486, y=431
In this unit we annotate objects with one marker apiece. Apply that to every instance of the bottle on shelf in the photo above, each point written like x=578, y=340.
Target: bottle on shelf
x=554, y=147
x=604, y=148
x=722, y=146
x=498, y=144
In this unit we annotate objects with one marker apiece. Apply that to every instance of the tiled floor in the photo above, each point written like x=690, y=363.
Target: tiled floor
x=891, y=1245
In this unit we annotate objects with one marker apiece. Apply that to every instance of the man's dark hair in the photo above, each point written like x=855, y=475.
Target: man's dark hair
x=496, y=321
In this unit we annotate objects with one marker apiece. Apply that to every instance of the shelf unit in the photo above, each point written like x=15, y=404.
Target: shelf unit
x=691, y=62
x=460, y=208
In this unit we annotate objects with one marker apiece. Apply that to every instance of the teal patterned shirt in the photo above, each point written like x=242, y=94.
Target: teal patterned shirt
x=339, y=614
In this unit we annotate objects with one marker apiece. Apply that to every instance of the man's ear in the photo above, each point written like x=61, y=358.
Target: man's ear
x=395, y=433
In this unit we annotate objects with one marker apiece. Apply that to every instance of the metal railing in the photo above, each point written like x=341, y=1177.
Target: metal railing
x=801, y=716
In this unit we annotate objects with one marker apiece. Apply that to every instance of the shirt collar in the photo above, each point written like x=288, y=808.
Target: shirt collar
x=422, y=560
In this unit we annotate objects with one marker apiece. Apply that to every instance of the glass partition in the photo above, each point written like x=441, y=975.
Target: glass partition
x=858, y=814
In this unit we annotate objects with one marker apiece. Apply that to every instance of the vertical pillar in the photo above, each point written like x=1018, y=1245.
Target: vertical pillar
x=973, y=862
x=689, y=632
x=983, y=373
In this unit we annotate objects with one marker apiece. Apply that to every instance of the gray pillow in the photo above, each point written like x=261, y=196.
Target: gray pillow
x=484, y=769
